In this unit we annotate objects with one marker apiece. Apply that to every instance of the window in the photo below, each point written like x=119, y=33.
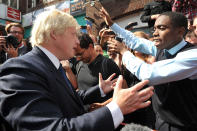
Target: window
x=34, y=3
x=13, y=3
x=47, y=1
x=4, y=2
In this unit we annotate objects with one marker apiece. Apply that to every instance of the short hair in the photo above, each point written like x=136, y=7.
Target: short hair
x=85, y=40
x=95, y=44
x=53, y=20
x=8, y=26
x=177, y=19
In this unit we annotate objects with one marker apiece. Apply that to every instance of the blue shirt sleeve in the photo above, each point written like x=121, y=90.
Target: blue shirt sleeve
x=184, y=65
x=135, y=43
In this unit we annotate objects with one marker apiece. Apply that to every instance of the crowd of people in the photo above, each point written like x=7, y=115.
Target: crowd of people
x=64, y=79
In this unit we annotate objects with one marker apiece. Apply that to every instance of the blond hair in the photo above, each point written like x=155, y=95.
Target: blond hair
x=48, y=21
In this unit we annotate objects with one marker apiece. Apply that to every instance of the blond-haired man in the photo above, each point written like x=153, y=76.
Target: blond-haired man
x=36, y=94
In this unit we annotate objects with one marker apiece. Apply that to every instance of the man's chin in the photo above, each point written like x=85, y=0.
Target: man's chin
x=157, y=44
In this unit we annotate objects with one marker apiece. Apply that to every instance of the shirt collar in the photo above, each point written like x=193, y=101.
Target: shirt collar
x=177, y=47
x=21, y=46
x=52, y=57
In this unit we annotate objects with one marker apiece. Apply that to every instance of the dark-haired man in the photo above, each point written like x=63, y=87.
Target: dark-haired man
x=91, y=63
x=173, y=75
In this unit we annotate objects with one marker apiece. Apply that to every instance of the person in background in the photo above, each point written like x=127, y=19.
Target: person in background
x=27, y=43
x=152, y=10
x=187, y=7
x=16, y=30
x=98, y=49
x=91, y=64
x=191, y=37
x=195, y=25
x=36, y=94
x=2, y=52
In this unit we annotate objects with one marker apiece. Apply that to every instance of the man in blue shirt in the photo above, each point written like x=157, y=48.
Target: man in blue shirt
x=174, y=75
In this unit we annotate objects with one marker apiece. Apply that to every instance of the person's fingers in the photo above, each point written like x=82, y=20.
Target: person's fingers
x=100, y=78
x=111, y=77
x=111, y=45
x=104, y=11
x=144, y=104
x=101, y=14
x=146, y=91
x=114, y=80
x=113, y=85
x=145, y=94
x=139, y=86
x=113, y=50
x=119, y=83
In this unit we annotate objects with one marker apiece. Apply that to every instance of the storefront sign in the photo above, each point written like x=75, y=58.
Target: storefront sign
x=77, y=6
x=13, y=14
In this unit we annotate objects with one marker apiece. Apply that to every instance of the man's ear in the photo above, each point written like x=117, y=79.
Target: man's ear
x=53, y=35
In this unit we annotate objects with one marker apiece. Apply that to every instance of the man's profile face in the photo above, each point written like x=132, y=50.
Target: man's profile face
x=165, y=35
x=17, y=32
x=66, y=43
x=83, y=54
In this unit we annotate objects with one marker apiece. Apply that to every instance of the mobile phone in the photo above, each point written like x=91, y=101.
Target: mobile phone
x=83, y=27
x=111, y=33
x=119, y=39
x=131, y=25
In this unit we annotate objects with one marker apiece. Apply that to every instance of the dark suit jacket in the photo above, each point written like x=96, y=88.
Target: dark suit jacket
x=34, y=96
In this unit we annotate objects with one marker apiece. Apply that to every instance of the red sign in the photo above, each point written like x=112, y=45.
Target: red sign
x=13, y=14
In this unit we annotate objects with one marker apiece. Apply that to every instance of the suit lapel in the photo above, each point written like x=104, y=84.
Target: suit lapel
x=60, y=79
x=57, y=75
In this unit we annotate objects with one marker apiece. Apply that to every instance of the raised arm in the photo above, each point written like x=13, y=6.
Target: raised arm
x=133, y=42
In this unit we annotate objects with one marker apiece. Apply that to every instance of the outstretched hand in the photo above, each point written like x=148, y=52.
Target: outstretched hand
x=107, y=85
x=133, y=98
x=104, y=14
x=116, y=46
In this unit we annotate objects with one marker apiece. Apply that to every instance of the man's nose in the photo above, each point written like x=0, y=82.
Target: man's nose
x=155, y=33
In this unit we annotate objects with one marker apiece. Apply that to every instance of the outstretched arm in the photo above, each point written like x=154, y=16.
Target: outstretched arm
x=133, y=42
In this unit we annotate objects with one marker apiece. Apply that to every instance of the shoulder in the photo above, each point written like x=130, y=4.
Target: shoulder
x=110, y=66
x=108, y=61
x=30, y=62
